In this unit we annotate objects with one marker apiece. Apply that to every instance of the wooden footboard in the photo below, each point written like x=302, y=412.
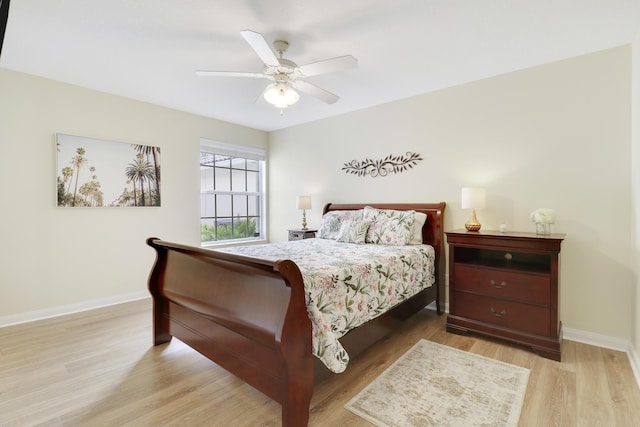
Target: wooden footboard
x=249, y=316
x=253, y=322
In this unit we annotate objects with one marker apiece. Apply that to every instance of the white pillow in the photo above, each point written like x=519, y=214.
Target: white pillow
x=419, y=220
x=332, y=222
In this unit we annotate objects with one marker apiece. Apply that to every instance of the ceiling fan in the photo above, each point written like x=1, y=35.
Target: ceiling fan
x=286, y=74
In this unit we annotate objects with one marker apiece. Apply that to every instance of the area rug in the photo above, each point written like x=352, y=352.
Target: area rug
x=436, y=385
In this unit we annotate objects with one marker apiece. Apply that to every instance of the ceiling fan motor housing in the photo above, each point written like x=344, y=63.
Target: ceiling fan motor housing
x=287, y=70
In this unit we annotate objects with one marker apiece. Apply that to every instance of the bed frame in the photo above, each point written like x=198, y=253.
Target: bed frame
x=249, y=316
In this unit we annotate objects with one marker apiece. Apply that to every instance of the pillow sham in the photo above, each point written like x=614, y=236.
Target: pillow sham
x=353, y=231
x=419, y=220
x=332, y=222
x=388, y=226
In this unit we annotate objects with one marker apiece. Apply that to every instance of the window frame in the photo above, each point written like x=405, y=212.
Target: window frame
x=247, y=153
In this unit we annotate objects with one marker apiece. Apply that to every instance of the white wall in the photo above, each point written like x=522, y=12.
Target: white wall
x=556, y=136
x=52, y=257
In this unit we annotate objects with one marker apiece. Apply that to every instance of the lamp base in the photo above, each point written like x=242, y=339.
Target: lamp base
x=472, y=224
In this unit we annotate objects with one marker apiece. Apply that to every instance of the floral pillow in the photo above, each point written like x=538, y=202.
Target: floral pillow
x=389, y=227
x=332, y=222
x=353, y=231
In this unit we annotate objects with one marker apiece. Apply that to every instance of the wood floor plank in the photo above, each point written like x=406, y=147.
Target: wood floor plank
x=550, y=398
x=100, y=368
x=626, y=405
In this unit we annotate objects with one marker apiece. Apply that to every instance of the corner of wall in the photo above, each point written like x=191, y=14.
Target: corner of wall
x=634, y=360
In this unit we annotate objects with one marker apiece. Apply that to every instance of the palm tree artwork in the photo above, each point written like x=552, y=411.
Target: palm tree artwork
x=78, y=161
x=140, y=171
x=154, y=152
x=98, y=173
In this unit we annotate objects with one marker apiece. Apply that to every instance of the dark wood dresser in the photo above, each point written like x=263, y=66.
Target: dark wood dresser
x=506, y=285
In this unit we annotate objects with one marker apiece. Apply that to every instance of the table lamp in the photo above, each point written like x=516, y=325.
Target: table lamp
x=473, y=198
x=304, y=203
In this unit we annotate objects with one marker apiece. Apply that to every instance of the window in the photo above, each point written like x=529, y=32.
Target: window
x=232, y=197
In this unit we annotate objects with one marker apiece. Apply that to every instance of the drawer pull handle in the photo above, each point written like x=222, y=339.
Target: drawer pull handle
x=498, y=285
x=501, y=314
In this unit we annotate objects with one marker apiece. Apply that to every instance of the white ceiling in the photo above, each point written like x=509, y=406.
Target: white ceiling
x=149, y=49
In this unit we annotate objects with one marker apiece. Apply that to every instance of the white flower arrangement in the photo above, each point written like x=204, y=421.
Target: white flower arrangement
x=544, y=215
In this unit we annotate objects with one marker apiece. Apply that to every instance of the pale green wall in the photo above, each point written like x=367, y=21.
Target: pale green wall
x=556, y=136
x=53, y=256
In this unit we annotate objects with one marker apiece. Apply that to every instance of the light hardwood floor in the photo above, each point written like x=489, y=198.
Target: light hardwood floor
x=100, y=368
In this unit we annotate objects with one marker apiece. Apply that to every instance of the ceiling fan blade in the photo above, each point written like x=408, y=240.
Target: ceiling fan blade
x=260, y=46
x=315, y=91
x=329, y=65
x=207, y=73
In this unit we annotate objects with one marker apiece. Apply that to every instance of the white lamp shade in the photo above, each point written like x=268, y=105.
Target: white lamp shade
x=473, y=198
x=303, y=202
x=281, y=95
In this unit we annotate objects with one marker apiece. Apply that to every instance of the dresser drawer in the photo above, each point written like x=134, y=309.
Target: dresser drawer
x=296, y=235
x=301, y=234
x=528, y=287
x=507, y=314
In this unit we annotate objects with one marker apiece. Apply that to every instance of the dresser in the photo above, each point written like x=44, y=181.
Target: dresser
x=302, y=234
x=506, y=285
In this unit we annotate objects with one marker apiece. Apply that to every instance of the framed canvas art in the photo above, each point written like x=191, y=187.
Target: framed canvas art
x=97, y=173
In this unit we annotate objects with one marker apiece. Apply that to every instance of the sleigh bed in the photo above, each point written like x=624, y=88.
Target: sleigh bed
x=253, y=316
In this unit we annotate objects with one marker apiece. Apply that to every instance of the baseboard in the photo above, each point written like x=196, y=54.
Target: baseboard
x=445, y=309
x=634, y=360
x=598, y=340
x=48, y=313
x=433, y=307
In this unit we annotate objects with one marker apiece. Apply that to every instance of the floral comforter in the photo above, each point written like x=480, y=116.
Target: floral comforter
x=348, y=284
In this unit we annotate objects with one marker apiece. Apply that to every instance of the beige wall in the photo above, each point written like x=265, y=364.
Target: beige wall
x=55, y=257
x=635, y=193
x=556, y=136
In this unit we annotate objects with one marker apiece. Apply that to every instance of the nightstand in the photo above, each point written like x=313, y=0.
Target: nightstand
x=301, y=234
x=506, y=285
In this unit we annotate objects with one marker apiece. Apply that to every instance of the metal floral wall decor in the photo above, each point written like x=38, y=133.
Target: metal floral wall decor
x=390, y=164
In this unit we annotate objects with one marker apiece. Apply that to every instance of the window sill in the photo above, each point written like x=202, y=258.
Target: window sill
x=215, y=245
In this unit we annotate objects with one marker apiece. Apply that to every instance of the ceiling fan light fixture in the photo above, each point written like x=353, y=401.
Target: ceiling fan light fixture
x=281, y=95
